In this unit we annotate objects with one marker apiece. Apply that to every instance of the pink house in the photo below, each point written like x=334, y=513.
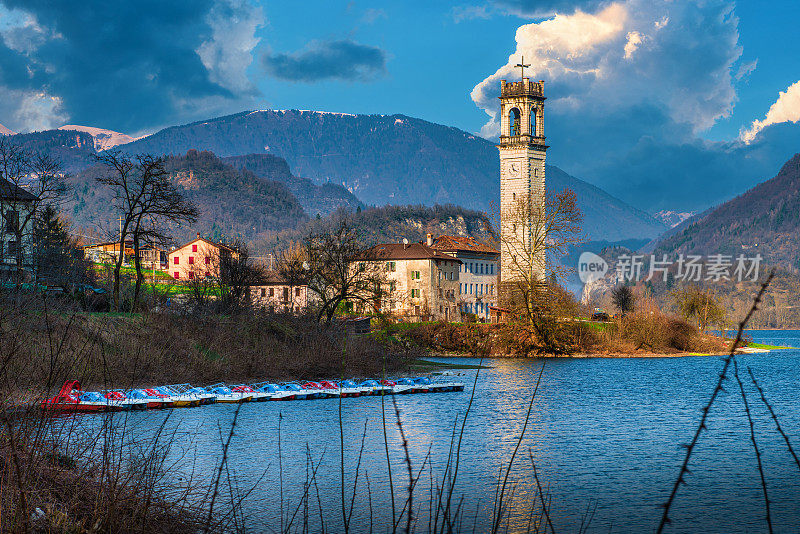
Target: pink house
x=198, y=259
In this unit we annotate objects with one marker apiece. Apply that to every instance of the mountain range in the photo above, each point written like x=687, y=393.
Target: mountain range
x=392, y=159
x=330, y=160
x=764, y=220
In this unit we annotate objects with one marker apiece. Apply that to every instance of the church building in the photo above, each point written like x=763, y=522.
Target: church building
x=522, y=179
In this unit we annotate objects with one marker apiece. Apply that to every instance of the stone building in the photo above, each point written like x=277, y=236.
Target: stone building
x=198, y=259
x=478, y=274
x=522, y=178
x=150, y=256
x=275, y=294
x=418, y=282
x=16, y=205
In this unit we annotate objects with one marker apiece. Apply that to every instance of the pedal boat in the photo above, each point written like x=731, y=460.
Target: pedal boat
x=153, y=401
x=316, y=390
x=179, y=400
x=71, y=399
x=349, y=388
x=205, y=396
x=227, y=396
x=404, y=386
x=255, y=396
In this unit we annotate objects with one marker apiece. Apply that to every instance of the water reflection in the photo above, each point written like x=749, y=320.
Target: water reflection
x=604, y=432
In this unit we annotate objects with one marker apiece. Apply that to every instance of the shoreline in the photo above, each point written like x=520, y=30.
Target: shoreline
x=585, y=355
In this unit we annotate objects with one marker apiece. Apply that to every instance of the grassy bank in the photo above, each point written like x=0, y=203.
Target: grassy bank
x=635, y=335
x=49, y=344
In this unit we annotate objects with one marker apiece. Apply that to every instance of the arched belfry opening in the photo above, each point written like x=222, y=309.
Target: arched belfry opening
x=514, y=122
x=533, y=121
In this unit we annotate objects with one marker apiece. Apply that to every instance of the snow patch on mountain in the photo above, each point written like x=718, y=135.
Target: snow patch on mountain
x=103, y=139
x=673, y=218
x=6, y=131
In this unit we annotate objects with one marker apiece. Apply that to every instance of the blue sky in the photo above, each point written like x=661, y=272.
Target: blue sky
x=653, y=100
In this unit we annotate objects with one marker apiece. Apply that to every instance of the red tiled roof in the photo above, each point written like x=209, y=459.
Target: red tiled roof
x=412, y=251
x=466, y=244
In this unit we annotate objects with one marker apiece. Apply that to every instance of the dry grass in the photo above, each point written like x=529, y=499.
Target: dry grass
x=646, y=331
x=49, y=345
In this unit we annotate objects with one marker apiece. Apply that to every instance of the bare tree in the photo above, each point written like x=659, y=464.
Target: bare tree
x=146, y=201
x=623, y=298
x=702, y=305
x=236, y=274
x=28, y=182
x=534, y=235
x=293, y=268
x=340, y=269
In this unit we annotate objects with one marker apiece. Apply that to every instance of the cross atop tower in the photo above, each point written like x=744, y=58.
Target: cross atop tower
x=522, y=66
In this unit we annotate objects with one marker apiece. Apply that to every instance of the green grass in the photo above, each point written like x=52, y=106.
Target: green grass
x=598, y=325
x=767, y=347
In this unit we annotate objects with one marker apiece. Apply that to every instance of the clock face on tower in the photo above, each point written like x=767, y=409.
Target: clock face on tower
x=514, y=169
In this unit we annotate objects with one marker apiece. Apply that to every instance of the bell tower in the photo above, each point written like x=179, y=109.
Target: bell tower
x=522, y=187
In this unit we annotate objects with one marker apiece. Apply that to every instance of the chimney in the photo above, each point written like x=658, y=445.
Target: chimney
x=430, y=240
x=198, y=235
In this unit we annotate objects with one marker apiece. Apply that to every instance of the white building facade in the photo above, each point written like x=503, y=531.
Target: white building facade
x=478, y=274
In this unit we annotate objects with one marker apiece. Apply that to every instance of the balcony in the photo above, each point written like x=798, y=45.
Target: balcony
x=524, y=139
x=522, y=88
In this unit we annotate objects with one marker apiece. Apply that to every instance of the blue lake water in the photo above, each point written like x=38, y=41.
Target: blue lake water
x=603, y=433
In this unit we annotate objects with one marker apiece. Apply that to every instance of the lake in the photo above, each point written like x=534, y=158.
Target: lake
x=605, y=435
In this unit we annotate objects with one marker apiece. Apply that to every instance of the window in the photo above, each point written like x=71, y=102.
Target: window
x=177, y=260
x=391, y=266
x=362, y=267
x=285, y=293
x=272, y=292
x=208, y=260
x=194, y=248
x=177, y=275
x=470, y=289
x=297, y=292
x=415, y=293
x=208, y=274
x=491, y=291
x=191, y=260
x=415, y=275
x=263, y=292
x=513, y=122
x=12, y=221
x=191, y=275
x=392, y=285
x=491, y=268
x=533, y=121
x=481, y=268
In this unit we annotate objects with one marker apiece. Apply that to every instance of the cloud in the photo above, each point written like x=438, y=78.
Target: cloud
x=462, y=13
x=547, y=8
x=745, y=70
x=328, y=60
x=632, y=86
x=785, y=109
x=372, y=14
x=229, y=51
x=128, y=66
